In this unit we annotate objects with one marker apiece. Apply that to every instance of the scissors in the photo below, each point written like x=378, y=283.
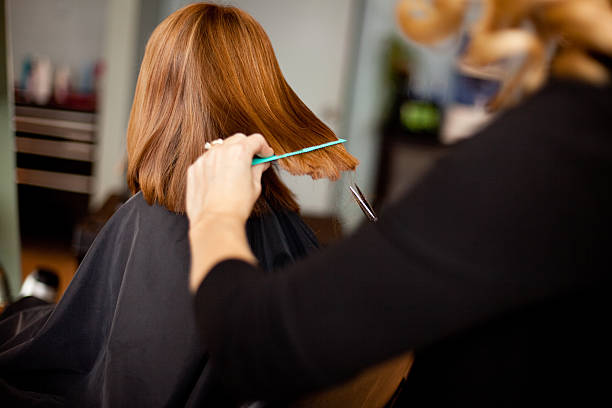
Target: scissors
x=363, y=203
x=355, y=190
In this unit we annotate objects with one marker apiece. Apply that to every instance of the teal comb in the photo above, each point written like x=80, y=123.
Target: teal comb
x=259, y=160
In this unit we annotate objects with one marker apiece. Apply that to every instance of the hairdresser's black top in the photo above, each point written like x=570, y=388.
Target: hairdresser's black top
x=495, y=269
x=124, y=333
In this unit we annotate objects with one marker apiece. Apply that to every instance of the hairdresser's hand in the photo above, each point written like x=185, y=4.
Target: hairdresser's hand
x=222, y=183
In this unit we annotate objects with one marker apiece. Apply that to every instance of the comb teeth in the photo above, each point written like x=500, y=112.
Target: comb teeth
x=259, y=160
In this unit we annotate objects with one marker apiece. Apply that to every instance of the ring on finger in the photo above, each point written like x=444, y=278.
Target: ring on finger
x=209, y=145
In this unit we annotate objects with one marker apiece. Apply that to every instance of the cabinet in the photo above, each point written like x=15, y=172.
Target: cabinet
x=55, y=157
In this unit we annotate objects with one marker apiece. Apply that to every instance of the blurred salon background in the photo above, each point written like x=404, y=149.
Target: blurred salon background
x=68, y=69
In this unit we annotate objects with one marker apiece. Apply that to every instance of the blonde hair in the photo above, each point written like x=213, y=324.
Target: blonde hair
x=554, y=36
x=208, y=72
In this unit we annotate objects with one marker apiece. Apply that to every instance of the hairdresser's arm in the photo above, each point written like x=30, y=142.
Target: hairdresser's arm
x=467, y=244
x=222, y=188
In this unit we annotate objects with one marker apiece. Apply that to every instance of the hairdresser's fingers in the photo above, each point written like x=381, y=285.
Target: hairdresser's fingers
x=224, y=178
x=223, y=181
x=242, y=148
x=255, y=144
x=257, y=172
x=258, y=145
x=196, y=190
x=235, y=138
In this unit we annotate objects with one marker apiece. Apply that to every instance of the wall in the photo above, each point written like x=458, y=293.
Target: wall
x=121, y=60
x=9, y=229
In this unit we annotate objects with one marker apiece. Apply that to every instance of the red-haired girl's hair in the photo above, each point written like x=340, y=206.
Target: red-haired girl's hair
x=208, y=72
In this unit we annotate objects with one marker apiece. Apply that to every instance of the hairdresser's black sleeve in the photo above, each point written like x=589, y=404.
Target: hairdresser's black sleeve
x=491, y=229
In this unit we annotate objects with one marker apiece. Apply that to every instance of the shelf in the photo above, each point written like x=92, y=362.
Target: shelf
x=65, y=129
x=59, y=149
x=55, y=148
x=74, y=183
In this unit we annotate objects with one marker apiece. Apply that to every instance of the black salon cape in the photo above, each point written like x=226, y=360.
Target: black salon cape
x=124, y=333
